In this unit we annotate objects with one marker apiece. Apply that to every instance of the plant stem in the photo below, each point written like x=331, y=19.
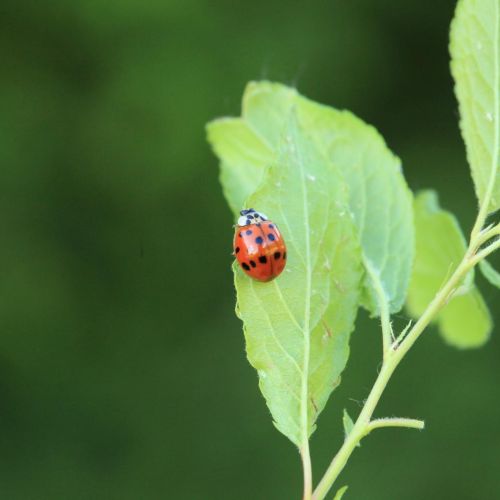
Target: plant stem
x=392, y=358
x=488, y=233
x=307, y=468
x=486, y=251
x=410, y=423
x=385, y=318
x=358, y=431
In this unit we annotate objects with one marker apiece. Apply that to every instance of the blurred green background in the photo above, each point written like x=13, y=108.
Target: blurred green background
x=122, y=366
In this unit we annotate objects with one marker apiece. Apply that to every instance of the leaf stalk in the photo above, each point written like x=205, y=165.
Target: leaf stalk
x=307, y=469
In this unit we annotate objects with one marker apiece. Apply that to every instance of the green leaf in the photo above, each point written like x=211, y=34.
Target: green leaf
x=330, y=182
x=348, y=423
x=248, y=145
x=379, y=198
x=465, y=321
x=297, y=327
x=266, y=108
x=245, y=158
x=340, y=493
x=490, y=273
x=475, y=51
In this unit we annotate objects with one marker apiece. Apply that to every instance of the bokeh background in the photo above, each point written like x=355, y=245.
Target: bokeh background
x=122, y=366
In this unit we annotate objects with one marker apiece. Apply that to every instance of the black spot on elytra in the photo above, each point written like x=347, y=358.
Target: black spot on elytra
x=263, y=259
x=277, y=255
x=237, y=249
x=239, y=235
x=248, y=231
x=245, y=266
x=271, y=237
x=271, y=226
x=253, y=264
x=259, y=240
x=284, y=256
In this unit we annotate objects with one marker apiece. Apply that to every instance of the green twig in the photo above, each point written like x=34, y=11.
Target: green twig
x=482, y=254
x=487, y=233
x=410, y=423
x=307, y=471
x=385, y=318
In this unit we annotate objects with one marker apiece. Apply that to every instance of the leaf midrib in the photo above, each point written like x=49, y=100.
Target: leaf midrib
x=307, y=307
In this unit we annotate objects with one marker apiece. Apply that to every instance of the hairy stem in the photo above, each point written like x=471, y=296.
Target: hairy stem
x=410, y=423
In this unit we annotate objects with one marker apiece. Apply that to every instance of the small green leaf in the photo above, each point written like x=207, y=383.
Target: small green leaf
x=475, y=52
x=490, y=273
x=340, y=493
x=465, y=321
x=348, y=423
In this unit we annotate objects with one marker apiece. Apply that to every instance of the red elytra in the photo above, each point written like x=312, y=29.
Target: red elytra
x=258, y=246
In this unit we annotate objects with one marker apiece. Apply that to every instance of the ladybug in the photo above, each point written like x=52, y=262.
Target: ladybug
x=258, y=246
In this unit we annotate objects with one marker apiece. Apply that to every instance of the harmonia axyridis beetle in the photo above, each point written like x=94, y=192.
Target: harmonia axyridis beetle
x=258, y=246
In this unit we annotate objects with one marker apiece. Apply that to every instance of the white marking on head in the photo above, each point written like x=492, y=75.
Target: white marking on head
x=250, y=216
x=242, y=221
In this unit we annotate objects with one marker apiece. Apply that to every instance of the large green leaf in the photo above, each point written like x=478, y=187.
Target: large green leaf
x=297, y=327
x=475, y=51
x=379, y=198
x=465, y=321
x=314, y=171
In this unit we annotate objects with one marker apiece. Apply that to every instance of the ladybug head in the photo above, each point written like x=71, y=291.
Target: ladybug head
x=250, y=216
